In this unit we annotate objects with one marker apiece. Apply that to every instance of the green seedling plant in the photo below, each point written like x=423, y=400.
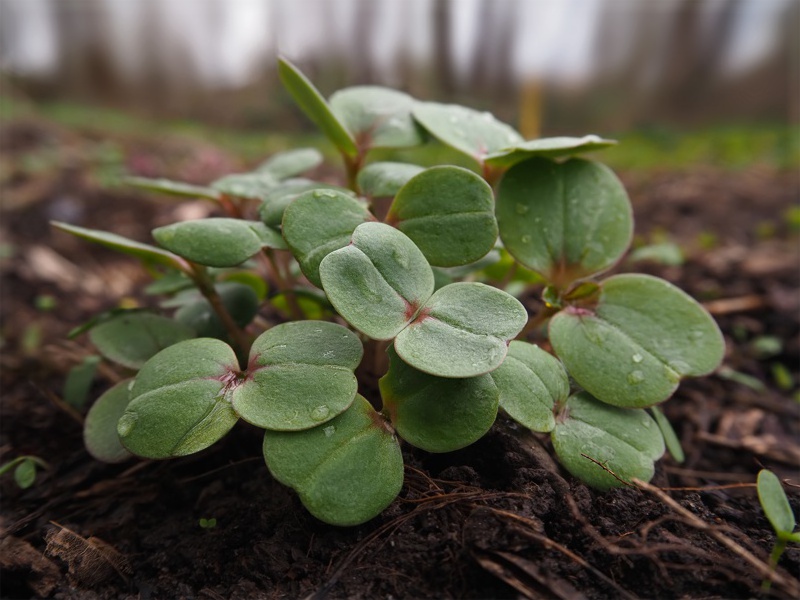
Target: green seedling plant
x=780, y=515
x=285, y=308
x=24, y=469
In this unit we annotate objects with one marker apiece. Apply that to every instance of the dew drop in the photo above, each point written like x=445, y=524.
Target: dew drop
x=635, y=377
x=329, y=431
x=401, y=257
x=525, y=239
x=320, y=413
x=679, y=367
x=637, y=358
x=126, y=423
x=522, y=209
x=695, y=334
x=320, y=194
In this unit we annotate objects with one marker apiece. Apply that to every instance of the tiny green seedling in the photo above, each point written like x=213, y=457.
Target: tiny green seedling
x=207, y=523
x=779, y=513
x=24, y=469
x=417, y=271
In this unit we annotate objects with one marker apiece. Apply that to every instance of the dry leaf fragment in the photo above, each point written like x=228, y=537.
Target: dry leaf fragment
x=91, y=561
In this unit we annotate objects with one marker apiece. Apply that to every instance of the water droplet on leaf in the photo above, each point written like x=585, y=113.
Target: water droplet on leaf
x=522, y=209
x=126, y=423
x=329, y=431
x=526, y=239
x=637, y=358
x=635, y=377
x=401, y=257
x=320, y=413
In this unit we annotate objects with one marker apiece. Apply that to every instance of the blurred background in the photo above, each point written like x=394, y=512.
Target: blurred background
x=565, y=66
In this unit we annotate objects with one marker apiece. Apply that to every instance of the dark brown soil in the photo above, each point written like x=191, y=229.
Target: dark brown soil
x=496, y=520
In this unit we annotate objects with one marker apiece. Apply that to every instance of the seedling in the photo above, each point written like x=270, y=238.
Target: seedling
x=413, y=291
x=776, y=506
x=24, y=469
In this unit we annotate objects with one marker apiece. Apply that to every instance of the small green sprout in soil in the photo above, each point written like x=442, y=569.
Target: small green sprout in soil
x=300, y=294
x=776, y=507
x=24, y=468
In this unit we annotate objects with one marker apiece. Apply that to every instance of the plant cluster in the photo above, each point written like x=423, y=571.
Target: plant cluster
x=419, y=270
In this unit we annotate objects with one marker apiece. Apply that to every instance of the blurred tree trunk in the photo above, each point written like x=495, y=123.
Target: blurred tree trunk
x=85, y=68
x=443, y=46
x=492, y=68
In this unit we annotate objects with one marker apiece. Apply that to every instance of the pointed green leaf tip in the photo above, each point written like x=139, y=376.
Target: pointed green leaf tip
x=132, y=339
x=315, y=107
x=319, y=222
x=448, y=212
x=434, y=413
x=144, y=252
x=217, y=242
x=566, y=221
x=100, y=427
x=345, y=471
x=633, y=348
x=173, y=188
x=627, y=442
x=531, y=382
x=179, y=400
x=300, y=375
x=775, y=503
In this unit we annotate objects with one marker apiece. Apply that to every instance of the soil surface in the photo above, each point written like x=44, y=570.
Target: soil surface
x=498, y=519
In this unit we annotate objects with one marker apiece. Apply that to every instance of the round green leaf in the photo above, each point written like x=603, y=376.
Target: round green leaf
x=173, y=188
x=276, y=201
x=531, y=382
x=25, y=473
x=180, y=400
x=346, y=471
x=384, y=179
x=462, y=331
x=378, y=282
x=300, y=375
x=144, y=252
x=775, y=503
x=448, y=212
x=290, y=163
x=100, y=427
x=437, y=414
x=319, y=222
x=474, y=133
x=376, y=117
x=553, y=147
x=634, y=347
x=240, y=300
x=565, y=220
x=626, y=441
x=131, y=339
x=217, y=242
x=316, y=108
x=254, y=186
